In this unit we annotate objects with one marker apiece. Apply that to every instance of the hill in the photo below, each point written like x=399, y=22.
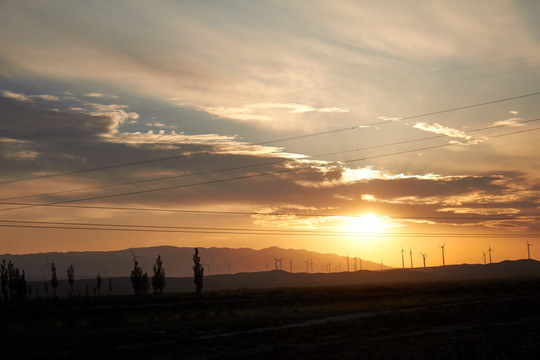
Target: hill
x=178, y=261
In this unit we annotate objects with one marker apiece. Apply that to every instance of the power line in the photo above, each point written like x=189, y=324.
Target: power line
x=262, y=174
x=108, y=167
x=259, y=164
x=242, y=231
x=258, y=213
x=403, y=118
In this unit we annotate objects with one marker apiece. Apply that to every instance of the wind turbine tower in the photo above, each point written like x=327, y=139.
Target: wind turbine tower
x=484, y=254
x=307, y=265
x=402, y=258
x=424, y=258
x=410, y=252
x=134, y=256
x=443, y=251
x=490, y=250
x=347, y=262
x=528, y=250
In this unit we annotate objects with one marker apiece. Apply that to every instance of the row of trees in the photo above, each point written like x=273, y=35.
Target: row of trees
x=15, y=288
x=13, y=282
x=139, y=279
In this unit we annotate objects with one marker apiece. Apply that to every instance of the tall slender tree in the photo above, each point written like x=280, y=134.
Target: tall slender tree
x=198, y=271
x=4, y=279
x=139, y=280
x=99, y=280
x=54, y=279
x=71, y=278
x=158, y=280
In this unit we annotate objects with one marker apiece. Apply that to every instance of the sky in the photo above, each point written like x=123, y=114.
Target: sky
x=348, y=127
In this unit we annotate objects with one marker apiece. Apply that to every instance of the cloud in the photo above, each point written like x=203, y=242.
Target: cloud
x=12, y=95
x=49, y=97
x=266, y=112
x=513, y=122
x=440, y=129
x=481, y=211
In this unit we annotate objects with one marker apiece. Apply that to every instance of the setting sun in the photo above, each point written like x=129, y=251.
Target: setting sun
x=368, y=223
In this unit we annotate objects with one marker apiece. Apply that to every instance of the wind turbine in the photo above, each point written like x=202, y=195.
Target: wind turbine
x=355, y=268
x=484, y=254
x=207, y=268
x=528, y=250
x=490, y=250
x=48, y=266
x=410, y=252
x=307, y=265
x=347, y=262
x=134, y=256
x=402, y=258
x=424, y=258
x=443, y=251
x=311, y=264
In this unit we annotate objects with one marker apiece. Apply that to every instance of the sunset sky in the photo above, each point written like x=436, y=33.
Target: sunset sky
x=356, y=127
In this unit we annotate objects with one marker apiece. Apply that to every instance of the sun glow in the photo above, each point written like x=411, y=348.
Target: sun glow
x=368, y=223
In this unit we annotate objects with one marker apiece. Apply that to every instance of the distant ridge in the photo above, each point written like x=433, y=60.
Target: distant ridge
x=283, y=279
x=178, y=261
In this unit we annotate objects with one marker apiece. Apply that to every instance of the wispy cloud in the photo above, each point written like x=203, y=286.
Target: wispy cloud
x=267, y=111
x=15, y=96
x=443, y=130
x=514, y=122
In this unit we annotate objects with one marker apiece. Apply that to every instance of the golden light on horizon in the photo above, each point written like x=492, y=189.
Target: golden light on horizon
x=366, y=224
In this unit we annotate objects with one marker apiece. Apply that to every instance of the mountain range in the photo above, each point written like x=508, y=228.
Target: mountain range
x=178, y=262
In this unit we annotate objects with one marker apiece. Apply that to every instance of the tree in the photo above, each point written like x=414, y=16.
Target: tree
x=70, y=277
x=198, y=272
x=54, y=279
x=13, y=282
x=139, y=280
x=99, y=280
x=20, y=285
x=4, y=278
x=158, y=280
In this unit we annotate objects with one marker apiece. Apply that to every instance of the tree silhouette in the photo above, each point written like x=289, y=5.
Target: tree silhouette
x=198, y=272
x=158, y=280
x=4, y=279
x=14, y=286
x=70, y=277
x=139, y=280
x=20, y=285
x=99, y=280
x=54, y=279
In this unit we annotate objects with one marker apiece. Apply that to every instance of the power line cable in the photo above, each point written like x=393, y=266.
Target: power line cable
x=261, y=164
x=288, y=214
x=263, y=174
x=108, y=167
x=154, y=228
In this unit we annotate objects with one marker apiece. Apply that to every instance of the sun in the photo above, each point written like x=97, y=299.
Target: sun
x=368, y=223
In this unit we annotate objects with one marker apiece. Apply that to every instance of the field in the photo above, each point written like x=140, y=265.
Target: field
x=495, y=319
